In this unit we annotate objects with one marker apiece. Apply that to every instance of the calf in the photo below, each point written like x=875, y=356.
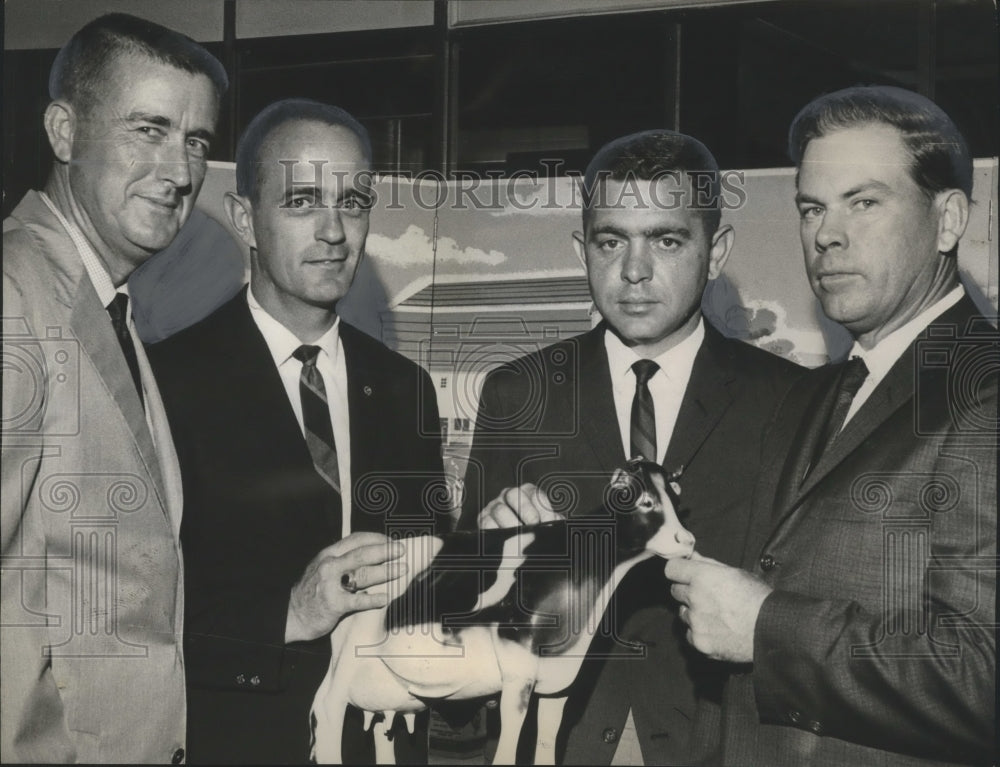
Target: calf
x=510, y=611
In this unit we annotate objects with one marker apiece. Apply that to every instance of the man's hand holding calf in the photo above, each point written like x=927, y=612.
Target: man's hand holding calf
x=719, y=604
x=334, y=581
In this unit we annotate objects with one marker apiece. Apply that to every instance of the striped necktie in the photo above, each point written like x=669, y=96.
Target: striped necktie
x=643, y=428
x=316, y=421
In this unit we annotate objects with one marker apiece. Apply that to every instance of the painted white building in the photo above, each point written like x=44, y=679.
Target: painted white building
x=459, y=327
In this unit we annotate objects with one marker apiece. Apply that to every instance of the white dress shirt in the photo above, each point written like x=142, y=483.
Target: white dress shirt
x=881, y=357
x=667, y=385
x=330, y=363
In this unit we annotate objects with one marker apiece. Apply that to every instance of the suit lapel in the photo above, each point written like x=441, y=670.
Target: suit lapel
x=366, y=405
x=807, y=429
x=92, y=327
x=894, y=391
x=598, y=420
x=706, y=398
x=166, y=454
x=245, y=357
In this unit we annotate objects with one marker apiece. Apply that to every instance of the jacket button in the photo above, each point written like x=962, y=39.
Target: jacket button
x=241, y=679
x=610, y=735
x=815, y=727
x=177, y=757
x=794, y=717
x=768, y=563
x=255, y=680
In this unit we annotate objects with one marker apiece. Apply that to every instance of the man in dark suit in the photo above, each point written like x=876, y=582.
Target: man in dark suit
x=302, y=443
x=554, y=425
x=868, y=611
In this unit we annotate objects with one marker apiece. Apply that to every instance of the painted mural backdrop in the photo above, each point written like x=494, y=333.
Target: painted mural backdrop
x=462, y=276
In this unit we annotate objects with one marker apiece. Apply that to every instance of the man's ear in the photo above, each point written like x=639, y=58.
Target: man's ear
x=60, y=127
x=580, y=249
x=240, y=213
x=722, y=244
x=953, y=217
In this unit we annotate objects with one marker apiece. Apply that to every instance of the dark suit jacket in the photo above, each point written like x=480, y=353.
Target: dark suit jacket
x=878, y=645
x=549, y=418
x=256, y=512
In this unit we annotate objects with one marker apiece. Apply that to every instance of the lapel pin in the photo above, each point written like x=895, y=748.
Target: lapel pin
x=368, y=391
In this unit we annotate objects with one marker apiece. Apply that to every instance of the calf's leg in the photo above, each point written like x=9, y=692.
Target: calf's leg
x=518, y=672
x=550, y=711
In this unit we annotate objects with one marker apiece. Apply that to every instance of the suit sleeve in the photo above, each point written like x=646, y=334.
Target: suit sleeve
x=32, y=708
x=235, y=639
x=919, y=675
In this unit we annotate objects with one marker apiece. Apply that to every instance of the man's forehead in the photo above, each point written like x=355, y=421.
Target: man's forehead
x=853, y=159
x=310, y=142
x=312, y=152
x=872, y=145
x=125, y=71
x=668, y=179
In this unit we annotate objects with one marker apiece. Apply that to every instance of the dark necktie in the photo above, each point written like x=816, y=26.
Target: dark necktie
x=852, y=377
x=318, y=428
x=643, y=428
x=118, y=309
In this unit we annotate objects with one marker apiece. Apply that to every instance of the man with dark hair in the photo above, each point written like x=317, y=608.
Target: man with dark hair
x=653, y=378
x=306, y=443
x=92, y=667
x=868, y=611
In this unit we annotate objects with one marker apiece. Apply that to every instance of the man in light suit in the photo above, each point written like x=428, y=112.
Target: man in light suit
x=289, y=495
x=92, y=666
x=867, y=602
x=554, y=425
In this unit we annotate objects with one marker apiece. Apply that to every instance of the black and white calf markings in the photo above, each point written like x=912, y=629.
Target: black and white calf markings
x=504, y=610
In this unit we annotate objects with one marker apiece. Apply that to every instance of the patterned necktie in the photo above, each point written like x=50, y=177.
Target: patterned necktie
x=852, y=377
x=118, y=309
x=643, y=429
x=316, y=420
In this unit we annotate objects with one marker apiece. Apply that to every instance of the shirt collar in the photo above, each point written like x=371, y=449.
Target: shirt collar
x=881, y=357
x=95, y=268
x=282, y=342
x=677, y=358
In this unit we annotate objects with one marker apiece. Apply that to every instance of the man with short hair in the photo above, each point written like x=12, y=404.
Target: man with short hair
x=92, y=667
x=867, y=603
x=302, y=443
x=653, y=378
